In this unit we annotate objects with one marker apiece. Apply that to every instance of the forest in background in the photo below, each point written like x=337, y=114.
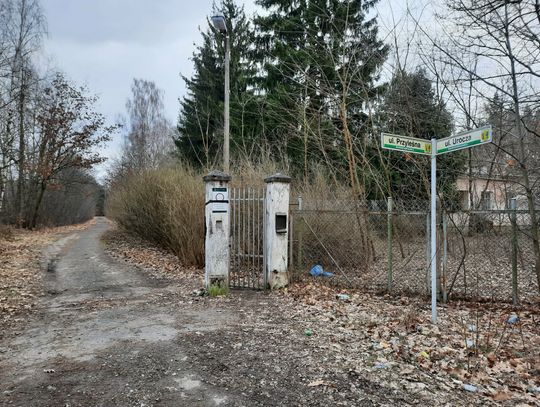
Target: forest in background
x=313, y=84
x=49, y=130
x=316, y=82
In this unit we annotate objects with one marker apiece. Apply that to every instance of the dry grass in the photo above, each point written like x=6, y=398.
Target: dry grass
x=164, y=206
x=252, y=174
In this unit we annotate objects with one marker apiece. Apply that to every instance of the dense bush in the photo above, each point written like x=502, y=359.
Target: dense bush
x=164, y=206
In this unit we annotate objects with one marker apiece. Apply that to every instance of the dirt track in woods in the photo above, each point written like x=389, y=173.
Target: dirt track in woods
x=108, y=334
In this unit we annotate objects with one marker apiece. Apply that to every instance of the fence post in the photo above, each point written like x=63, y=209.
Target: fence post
x=216, y=244
x=300, y=233
x=445, y=257
x=428, y=252
x=291, y=245
x=513, y=207
x=276, y=230
x=389, y=240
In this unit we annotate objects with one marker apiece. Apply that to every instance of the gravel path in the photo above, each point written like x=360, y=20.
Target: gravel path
x=108, y=334
x=105, y=335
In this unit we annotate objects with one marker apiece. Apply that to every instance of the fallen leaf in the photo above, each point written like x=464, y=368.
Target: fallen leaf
x=501, y=396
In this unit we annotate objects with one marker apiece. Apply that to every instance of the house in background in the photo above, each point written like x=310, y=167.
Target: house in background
x=487, y=193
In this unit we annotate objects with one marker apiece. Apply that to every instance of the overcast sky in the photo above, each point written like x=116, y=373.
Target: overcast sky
x=107, y=43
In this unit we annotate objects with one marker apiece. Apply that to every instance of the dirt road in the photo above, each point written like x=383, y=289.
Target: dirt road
x=106, y=334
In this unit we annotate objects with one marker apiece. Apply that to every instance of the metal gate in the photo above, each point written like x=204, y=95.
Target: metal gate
x=247, y=262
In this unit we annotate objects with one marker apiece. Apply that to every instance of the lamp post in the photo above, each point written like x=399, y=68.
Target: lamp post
x=220, y=25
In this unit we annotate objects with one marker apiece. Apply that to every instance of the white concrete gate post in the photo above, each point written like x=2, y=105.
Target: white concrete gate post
x=276, y=222
x=217, y=221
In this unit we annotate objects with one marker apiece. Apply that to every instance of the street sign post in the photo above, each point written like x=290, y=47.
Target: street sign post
x=465, y=140
x=406, y=144
x=436, y=147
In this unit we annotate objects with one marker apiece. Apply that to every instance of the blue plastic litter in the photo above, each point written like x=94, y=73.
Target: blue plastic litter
x=317, y=271
x=513, y=319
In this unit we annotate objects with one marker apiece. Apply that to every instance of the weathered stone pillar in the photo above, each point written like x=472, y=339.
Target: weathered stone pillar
x=217, y=221
x=276, y=230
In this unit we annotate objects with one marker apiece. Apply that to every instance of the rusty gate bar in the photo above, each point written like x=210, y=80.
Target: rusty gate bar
x=247, y=238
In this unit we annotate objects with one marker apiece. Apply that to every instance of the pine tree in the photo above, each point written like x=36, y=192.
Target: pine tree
x=200, y=122
x=321, y=60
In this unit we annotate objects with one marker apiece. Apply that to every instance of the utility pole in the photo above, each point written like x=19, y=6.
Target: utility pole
x=227, y=97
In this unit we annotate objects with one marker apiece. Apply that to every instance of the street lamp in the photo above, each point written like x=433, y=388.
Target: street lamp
x=220, y=25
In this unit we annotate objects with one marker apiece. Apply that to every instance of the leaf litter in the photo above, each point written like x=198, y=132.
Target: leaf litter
x=389, y=338
x=492, y=348
x=21, y=279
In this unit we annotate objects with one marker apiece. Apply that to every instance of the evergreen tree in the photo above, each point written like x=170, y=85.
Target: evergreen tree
x=200, y=122
x=411, y=108
x=321, y=60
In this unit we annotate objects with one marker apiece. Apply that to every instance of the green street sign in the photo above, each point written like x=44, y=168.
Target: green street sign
x=446, y=145
x=466, y=139
x=407, y=144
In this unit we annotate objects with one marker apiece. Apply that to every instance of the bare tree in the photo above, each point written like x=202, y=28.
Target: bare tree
x=23, y=26
x=149, y=133
x=494, y=45
x=69, y=130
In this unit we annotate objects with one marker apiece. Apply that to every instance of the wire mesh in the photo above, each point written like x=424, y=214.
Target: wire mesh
x=368, y=247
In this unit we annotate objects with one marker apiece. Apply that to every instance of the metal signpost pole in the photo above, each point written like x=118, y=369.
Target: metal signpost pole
x=434, y=230
x=460, y=141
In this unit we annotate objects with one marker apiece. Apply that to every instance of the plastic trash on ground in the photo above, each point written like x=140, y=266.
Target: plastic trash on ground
x=470, y=388
x=343, y=297
x=513, y=319
x=317, y=271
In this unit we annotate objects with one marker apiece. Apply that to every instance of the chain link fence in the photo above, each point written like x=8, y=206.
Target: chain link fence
x=384, y=246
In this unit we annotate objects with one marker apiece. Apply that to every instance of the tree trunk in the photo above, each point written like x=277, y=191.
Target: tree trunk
x=350, y=151
x=523, y=153
x=21, y=161
x=37, y=205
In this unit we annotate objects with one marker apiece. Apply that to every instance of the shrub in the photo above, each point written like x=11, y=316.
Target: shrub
x=164, y=206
